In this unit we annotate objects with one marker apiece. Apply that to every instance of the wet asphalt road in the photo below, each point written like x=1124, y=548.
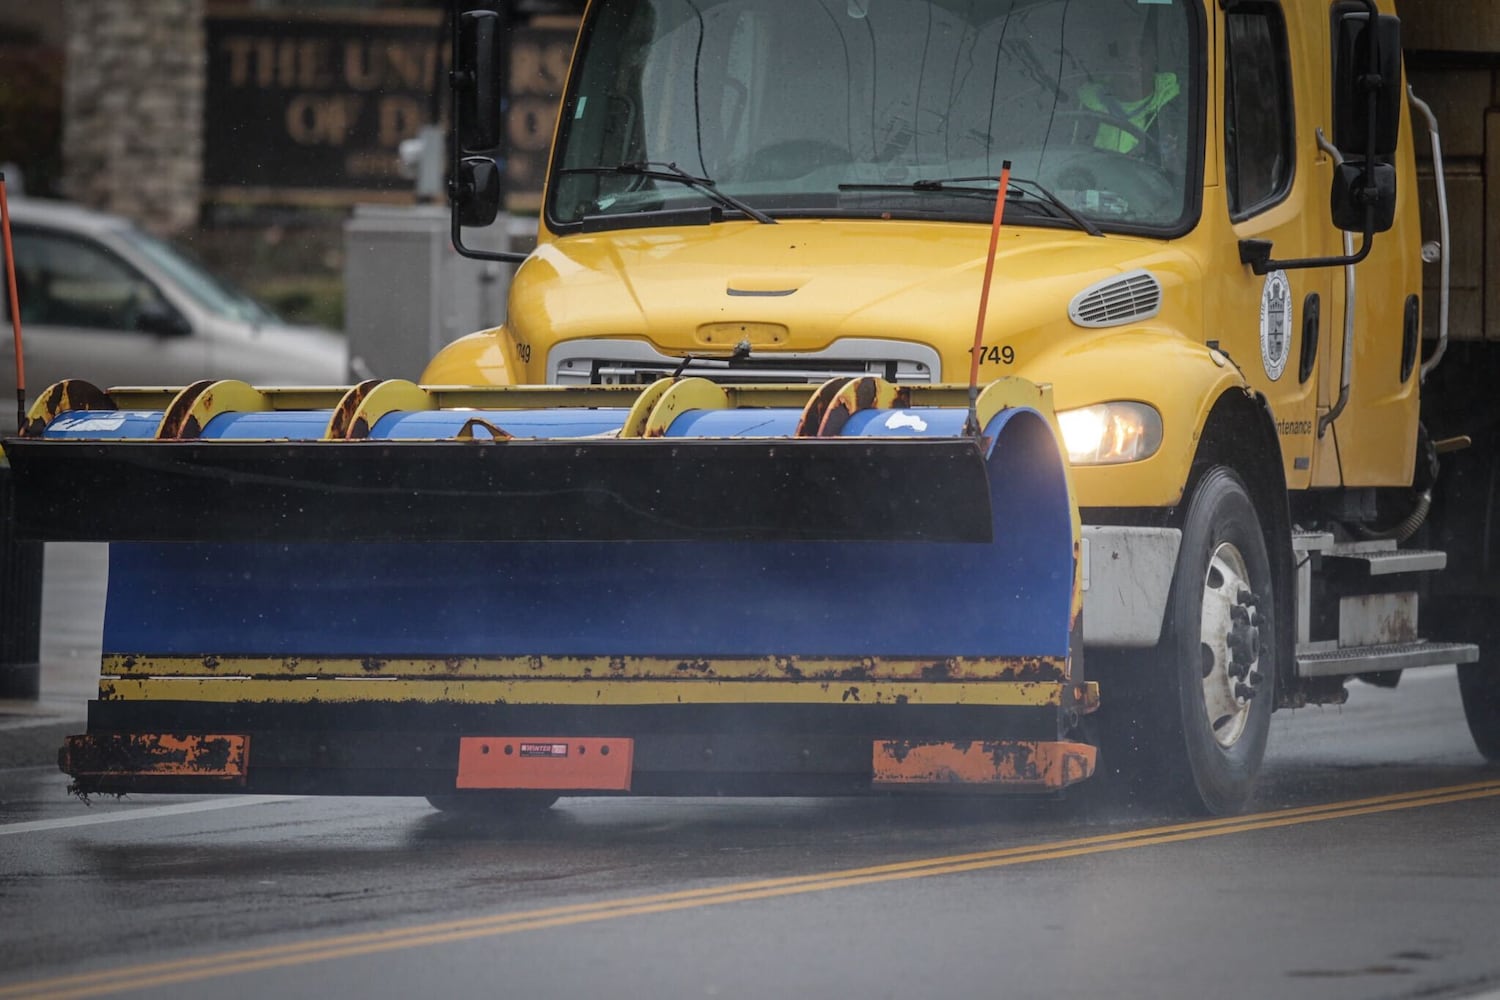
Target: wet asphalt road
x=1309, y=896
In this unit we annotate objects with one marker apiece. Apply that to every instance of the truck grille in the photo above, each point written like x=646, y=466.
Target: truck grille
x=633, y=362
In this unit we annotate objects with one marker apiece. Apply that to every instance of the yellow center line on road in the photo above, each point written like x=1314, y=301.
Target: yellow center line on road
x=353, y=945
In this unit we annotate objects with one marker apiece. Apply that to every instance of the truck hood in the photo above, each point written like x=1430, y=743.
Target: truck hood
x=800, y=285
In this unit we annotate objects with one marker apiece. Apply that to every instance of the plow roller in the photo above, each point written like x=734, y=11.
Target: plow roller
x=464, y=593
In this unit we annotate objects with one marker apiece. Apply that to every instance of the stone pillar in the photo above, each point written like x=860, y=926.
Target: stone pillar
x=133, y=109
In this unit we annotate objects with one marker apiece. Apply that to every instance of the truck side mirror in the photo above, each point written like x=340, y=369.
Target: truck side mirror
x=1361, y=81
x=479, y=61
x=1357, y=188
x=476, y=191
x=476, y=81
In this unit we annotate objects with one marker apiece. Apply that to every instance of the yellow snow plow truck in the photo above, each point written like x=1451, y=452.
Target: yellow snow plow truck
x=741, y=500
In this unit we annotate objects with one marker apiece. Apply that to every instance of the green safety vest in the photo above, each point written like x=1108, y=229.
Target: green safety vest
x=1141, y=113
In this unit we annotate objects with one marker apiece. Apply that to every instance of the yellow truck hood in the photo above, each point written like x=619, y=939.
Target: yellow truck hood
x=816, y=280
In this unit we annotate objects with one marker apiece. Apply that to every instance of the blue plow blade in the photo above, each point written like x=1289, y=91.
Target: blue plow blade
x=733, y=574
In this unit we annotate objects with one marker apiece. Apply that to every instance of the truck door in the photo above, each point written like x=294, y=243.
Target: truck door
x=1275, y=326
x=1370, y=439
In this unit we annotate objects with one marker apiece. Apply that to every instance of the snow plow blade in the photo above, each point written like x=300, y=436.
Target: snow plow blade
x=520, y=491
x=755, y=589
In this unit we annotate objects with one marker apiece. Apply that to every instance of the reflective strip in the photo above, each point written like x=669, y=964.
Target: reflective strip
x=1141, y=113
x=763, y=668
x=590, y=691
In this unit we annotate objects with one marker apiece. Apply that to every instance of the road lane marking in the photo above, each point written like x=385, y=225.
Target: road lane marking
x=145, y=812
x=152, y=975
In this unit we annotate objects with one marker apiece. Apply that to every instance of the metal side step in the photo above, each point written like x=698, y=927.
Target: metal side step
x=1386, y=563
x=1379, y=555
x=1393, y=656
x=1311, y=541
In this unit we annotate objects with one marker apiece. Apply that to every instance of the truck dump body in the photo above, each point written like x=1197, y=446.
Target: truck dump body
x=890, y=604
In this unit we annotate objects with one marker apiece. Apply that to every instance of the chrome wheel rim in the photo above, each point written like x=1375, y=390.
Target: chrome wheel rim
x=1226, y=697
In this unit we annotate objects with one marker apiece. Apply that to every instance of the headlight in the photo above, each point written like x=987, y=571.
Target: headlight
x=1110, y=433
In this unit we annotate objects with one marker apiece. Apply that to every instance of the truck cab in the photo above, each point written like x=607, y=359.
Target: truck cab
x=1147, y=141
x=1209, y=248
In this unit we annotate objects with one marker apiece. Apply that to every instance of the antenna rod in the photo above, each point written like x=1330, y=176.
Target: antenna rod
x=971, y=425
x=15, y=308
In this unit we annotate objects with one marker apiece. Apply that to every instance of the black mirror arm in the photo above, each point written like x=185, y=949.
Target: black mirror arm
x=504, y=256
x=1257, y=253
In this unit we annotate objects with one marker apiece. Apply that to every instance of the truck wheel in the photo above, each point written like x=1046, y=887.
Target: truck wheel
x=493, y=803
x=1197, y=712
x=1479, y=684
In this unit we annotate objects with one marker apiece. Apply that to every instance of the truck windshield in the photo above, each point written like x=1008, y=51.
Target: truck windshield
x=838, y=107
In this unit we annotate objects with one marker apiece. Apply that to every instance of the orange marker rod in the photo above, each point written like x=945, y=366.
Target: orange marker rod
x=972, y=424
x=15, y=306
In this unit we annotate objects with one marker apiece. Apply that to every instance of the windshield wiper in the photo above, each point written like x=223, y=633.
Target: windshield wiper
x=672, y=172
x=961, y=186
x=1079, y=219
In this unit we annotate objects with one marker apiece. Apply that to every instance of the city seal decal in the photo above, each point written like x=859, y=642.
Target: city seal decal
x=1275, y=324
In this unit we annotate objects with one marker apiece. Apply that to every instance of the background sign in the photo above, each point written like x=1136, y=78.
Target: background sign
x=311, y=108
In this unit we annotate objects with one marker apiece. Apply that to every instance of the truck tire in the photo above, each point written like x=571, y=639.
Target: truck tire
x=495, y=804
x=1479, y=684
x=1189, y=721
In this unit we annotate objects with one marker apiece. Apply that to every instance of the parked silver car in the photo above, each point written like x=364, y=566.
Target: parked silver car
x=105, y=301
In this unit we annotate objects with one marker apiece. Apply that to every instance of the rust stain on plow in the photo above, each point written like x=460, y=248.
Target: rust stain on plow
x=939, y=671
x=861, y=671
x=186, y=754
x=817, y=406
x=343, y=425
x=1019, y=764
x=1033, y=669
x=179, y=422
x=63, y=397
x=862, y=393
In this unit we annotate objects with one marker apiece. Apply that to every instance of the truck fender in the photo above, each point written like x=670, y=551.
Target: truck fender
x=1181, y=379
x=1209, y=415
x=1240, y=432
x=488, y=357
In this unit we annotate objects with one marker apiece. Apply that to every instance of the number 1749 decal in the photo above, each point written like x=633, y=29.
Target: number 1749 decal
x=995, y=354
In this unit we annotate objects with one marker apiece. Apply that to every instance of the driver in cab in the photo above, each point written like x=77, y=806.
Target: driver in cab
x=1135, y=90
